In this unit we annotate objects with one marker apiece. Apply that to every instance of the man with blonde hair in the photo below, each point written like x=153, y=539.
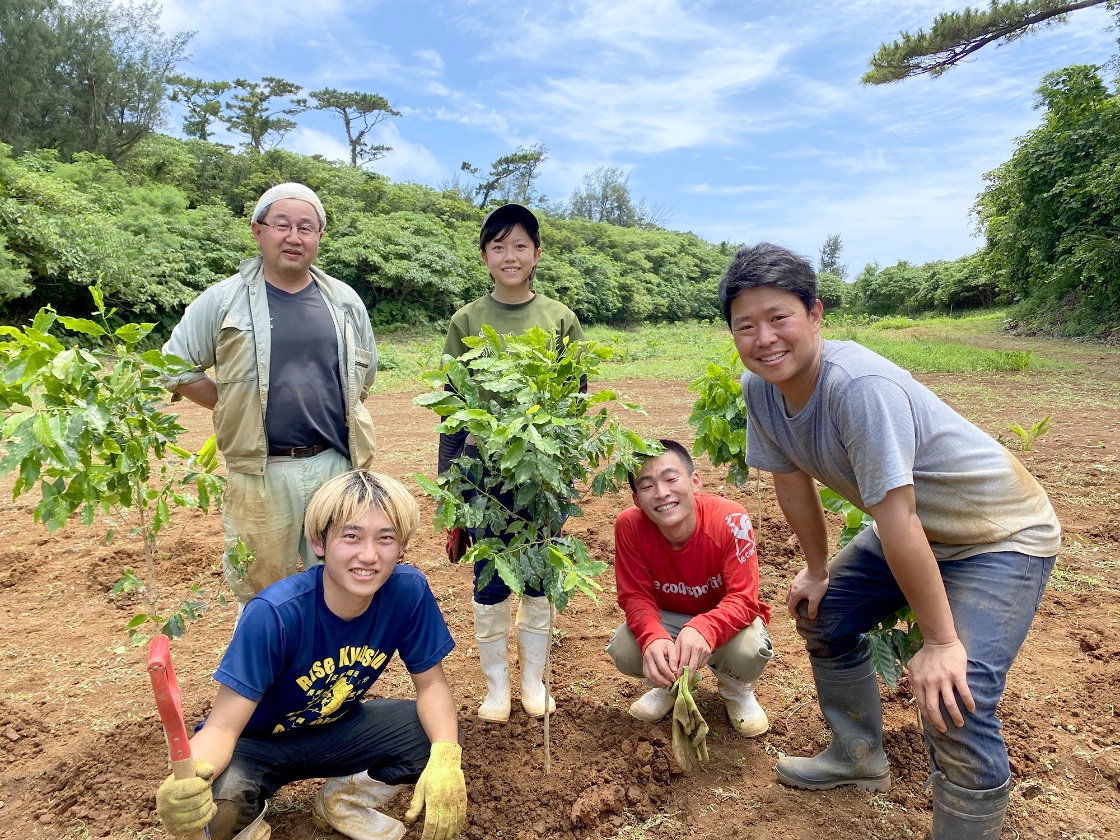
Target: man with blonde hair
x=305, y=652
x=293, y=359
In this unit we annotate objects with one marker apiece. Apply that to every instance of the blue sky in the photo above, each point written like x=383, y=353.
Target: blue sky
x=746, y=119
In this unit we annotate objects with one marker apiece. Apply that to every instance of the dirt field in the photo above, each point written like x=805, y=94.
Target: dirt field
x=81, y=750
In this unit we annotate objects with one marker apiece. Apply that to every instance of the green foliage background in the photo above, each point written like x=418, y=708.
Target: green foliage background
x=172, y=219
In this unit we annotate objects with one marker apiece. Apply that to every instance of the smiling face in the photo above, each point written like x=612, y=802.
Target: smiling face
x=779, y=340
x=511, y=261
x=288, y=255
x=666, y=493
x=357, y=560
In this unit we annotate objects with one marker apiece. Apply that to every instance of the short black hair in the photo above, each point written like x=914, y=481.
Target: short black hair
x=669, y=446
x=767, y=265
x=501, y=221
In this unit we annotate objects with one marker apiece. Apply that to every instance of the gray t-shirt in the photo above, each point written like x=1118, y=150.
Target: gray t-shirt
x=305, y=402
x=869, y=427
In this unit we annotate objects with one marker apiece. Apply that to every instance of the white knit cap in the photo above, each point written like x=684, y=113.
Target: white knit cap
x=291, y=190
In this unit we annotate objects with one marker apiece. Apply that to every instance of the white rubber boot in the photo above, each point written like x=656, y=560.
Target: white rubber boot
x=653, y=705
x=491, y=629
x=746, y=715
x=532, y=649
x=258, y=829
x=348, y=805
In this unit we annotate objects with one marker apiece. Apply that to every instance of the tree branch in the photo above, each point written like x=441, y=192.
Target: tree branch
x=956, y=35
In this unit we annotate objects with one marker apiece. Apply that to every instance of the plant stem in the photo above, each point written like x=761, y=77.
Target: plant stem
x=548, y=688
x=149, y=552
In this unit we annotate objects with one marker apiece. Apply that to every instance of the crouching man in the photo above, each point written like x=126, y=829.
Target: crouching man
x=687, y=576
x=303, y=655
x=963, y=534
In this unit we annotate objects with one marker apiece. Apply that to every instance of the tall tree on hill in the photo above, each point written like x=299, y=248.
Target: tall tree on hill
x=203, y=101
x=955, y=36
x=359, y=113
x=253, y=115
x=605, y=197
x=87, y=75
x=830, y=257
x=511, y=176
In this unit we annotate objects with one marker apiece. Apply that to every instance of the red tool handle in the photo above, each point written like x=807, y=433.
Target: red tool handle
x=166, y=689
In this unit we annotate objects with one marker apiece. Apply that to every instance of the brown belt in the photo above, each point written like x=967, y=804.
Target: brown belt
x=301, y=451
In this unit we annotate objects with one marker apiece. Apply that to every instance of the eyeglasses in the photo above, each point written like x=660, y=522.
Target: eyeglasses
x=283, y=228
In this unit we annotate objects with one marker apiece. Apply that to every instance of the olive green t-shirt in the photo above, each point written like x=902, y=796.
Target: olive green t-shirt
x=511, y=319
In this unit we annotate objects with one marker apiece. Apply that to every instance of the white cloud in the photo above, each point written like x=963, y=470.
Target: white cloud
x=640, y=75
x=708, y=189
x=250, y=23
x=409, y=160
x=431, y=62
x=309, y=141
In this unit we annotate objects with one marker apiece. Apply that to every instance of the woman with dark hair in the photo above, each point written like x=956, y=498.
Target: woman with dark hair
x=510, y=247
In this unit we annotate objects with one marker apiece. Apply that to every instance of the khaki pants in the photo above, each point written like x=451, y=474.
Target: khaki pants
x=266, y=513
x=743, y=658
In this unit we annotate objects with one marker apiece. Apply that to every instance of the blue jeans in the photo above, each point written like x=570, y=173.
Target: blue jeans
x=993, y=598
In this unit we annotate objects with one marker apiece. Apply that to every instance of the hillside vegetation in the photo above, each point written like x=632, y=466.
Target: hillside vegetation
x=89, y=189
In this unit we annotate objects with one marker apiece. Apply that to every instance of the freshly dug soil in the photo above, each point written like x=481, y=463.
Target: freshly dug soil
x=82, y=750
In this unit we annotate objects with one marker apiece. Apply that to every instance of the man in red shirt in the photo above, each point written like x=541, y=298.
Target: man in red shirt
x=687, y=576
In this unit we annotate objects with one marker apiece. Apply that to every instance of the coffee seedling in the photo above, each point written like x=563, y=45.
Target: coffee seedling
x=1027, y=437
x=540, y=439
x=82, y=420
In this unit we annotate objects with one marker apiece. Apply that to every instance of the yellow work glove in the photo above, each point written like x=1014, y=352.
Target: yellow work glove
x=690, y=731
x=442, y=792
x=186, y=805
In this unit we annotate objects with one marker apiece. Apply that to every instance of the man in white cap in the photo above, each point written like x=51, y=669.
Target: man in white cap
x=293, y=359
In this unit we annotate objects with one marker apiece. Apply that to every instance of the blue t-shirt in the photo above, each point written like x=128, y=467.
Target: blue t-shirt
x=304, y=665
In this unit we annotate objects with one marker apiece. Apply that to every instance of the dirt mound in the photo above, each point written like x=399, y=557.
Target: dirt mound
x=602, y=763
x=81, y=751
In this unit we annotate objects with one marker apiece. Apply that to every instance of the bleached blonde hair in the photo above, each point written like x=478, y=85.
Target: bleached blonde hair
x=348, y=497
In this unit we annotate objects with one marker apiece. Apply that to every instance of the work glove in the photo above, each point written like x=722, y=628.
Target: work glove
x=690, y=731
x=442, y=793
x=186, y=805
x=458, y=541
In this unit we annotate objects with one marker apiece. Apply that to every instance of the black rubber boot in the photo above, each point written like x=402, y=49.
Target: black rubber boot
x=962, y=814
x=849, y=700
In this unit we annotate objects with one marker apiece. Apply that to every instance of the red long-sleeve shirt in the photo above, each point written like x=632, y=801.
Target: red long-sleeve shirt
x=713, y=576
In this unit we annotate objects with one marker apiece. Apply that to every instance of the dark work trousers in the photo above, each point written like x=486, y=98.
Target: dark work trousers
x=496, y=590
x=383, y=737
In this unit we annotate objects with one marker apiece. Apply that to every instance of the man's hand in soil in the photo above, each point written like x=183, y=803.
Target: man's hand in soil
x=186, y=805
x=935, y=671
x=442, y=793
x=660, y=662
x=690, y=730
x=693, y=651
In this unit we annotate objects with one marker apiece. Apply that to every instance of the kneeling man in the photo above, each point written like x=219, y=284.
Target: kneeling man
x=963, y=534
x=687, y=576
x=303, y=655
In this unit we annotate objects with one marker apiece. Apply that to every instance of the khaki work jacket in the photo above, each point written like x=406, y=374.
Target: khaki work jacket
x=227, y=328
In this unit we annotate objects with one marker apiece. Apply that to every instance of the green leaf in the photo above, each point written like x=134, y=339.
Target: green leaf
x=82, y=325
x=132, y=333
x=885, y=659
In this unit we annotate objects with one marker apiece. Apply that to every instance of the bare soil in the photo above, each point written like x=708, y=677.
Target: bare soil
x=82, y=751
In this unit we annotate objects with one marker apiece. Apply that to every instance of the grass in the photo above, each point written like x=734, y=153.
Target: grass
x=936, y=345
x=681, y=351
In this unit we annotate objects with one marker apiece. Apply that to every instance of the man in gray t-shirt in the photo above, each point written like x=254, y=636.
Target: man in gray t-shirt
x=963, y=534
x=293, y=357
